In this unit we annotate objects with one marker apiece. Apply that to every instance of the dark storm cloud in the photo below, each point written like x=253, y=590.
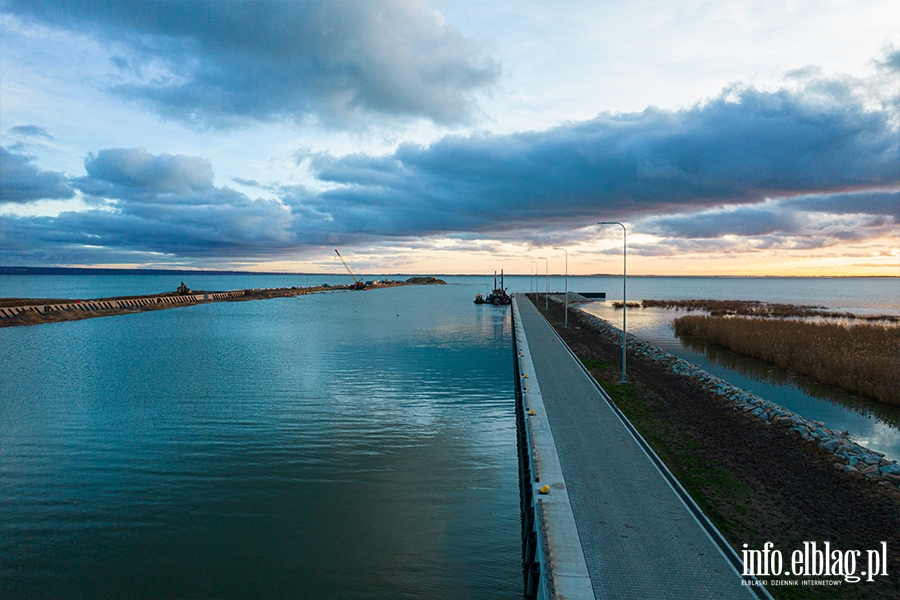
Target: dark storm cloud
x=125, y=172
x=791, y=216
x=232, y=225
x=774, y=169
x=742, y=221
x=169, y=203
x=886, y=203
x=163, y=203
x=736, y=149
x=21, y=181
x=335, y=61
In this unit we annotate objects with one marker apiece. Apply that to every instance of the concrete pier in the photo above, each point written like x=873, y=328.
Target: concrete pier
x=612, y=521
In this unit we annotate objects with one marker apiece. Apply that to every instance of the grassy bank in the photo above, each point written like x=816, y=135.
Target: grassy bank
x=862, y=359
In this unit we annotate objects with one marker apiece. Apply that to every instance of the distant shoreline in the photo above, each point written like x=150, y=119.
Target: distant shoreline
x=15, y=270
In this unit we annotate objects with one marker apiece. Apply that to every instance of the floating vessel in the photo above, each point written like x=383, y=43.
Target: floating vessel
x=498, y=297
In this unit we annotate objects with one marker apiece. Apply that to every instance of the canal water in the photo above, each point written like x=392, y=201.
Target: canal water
x=340, y=445
x=346, y=444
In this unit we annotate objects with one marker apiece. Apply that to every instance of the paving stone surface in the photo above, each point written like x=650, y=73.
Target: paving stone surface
x=639, y=538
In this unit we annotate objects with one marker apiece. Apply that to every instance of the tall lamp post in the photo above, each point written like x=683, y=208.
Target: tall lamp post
x=536, y=271
x=624, y=281
x=547, y=280
x=566, y=312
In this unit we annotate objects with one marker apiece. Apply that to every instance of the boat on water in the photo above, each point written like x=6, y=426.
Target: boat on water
x=498, y=297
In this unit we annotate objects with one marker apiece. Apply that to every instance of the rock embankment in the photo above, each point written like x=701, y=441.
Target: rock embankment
x=35, y=311
x=25, y=311
x=850, y=456
x=112, y=303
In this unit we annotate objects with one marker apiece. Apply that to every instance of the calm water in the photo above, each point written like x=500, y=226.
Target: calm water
x=347, y=445
x=870, y=295
x=865, y=295
x=874, y=425
x=337, y=445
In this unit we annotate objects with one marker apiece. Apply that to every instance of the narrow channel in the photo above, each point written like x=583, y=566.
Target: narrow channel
x=346, y=445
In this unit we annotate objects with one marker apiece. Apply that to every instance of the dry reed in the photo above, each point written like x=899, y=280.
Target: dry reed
x=618, y=304
x=756, y=308
x=863, y=359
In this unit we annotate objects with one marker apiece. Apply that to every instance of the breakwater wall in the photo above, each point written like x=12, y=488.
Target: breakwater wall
x=121, y=304
x=850, y=456
x=553, y=560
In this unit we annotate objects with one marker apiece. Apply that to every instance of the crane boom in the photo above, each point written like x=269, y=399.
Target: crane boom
x=357, y=283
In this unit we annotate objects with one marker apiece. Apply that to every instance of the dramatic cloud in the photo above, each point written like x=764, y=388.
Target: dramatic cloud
x=784, y=216
x=871, y=203
x=21, y=181
x=162, y=204
x=756, y=220
x=798, y=223
x=229, y=225
x=739, y=148
x=212, y=63
x=780, y=169
x=232, y=226
x=125, y=172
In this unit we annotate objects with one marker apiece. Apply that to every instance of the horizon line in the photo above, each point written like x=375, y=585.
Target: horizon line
x=23, y=270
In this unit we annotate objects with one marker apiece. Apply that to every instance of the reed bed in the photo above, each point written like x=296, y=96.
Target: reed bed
x=755, y=308
x=862, y=359
x=618, y=304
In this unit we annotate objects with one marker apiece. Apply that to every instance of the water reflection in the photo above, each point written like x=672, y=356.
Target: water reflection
x=351, y=445
x=778, y=376
x=871, y=423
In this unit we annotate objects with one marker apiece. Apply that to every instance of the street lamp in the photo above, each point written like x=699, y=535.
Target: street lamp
x=624, y=281
x=536, y=271
x=566, y=312
x=547, y=279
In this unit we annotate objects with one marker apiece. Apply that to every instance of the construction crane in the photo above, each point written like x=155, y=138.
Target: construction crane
x=358, y=284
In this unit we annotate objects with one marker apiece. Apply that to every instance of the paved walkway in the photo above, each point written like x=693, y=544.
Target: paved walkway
x=640, y=538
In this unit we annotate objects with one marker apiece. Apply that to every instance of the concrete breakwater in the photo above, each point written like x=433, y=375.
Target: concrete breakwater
x=602, y=514
x=553, y=560
x=98, y=305
x=33, y=311
x=850, y=456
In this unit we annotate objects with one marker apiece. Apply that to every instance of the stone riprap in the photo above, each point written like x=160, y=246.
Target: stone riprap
x=574, y=298
x=852, y=457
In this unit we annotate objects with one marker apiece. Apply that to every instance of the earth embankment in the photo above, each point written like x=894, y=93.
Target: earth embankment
x=758, y=483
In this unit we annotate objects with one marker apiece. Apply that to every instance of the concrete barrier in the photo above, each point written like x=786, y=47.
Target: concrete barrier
x=102, y=305
x=555, y=563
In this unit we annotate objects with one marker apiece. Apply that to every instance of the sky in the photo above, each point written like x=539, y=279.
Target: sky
x=416, y=136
